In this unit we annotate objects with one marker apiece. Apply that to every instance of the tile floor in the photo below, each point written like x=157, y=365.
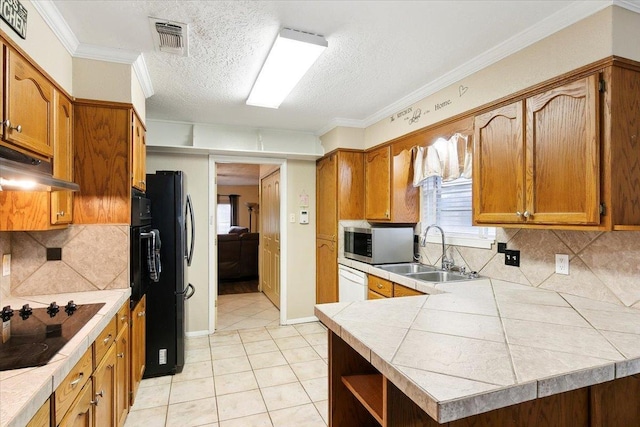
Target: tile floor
x=251, y=372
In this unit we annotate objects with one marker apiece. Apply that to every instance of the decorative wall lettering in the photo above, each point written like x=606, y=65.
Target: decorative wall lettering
x=15, y=14
x=401, y=113
x=462, y=90
x=412, y=115
x=442, y=104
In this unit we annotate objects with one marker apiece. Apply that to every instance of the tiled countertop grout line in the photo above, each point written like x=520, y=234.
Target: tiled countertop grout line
x=506, y=338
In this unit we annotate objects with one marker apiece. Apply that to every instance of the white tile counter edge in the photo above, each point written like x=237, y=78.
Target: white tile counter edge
x=23, y=391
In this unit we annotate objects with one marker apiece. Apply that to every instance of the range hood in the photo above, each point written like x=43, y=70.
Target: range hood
x=19, y=172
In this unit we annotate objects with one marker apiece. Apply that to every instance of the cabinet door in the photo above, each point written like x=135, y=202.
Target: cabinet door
x=28, y=106
x=327, y=271
x=104, y=386
x=404, y=202
x=122, y=375
x=350, y=182
x=138, y=355
x=42, y=418
x=563, y=154
x=62, y=201
x=498, y=166
x=326, y=187
x=403, y=291
x=138, y=155
x=377, y=174
x=81, y=413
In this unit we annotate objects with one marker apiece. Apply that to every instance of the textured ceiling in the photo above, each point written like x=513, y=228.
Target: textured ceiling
x=237, y=174
x=379, y=51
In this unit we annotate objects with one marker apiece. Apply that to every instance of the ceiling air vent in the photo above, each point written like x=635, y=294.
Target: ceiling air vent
x=169, y=36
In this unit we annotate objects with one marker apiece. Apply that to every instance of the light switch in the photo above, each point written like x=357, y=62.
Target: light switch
x=292, y=217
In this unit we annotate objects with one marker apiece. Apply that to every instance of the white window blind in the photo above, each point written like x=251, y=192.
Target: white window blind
x=224, y=217
x=448, y=204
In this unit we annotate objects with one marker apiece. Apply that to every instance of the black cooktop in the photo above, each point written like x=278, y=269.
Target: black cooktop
x=37, y=334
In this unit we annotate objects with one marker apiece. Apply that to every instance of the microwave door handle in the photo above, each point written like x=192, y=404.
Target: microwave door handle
x=193, y=230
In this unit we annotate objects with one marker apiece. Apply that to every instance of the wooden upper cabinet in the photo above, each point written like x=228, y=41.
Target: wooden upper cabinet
x=62, y=201
x=537, y=161
x=377, y=176
x=498, y=165
x=389, y=192
x=563, y=154
x=28, y=106
x=327, y=200
x=138, y=155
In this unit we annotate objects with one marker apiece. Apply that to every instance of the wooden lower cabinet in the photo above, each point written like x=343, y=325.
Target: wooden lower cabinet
x=81, y=412
x=138, y=355
x=104, y=387
x=327, y=271
x=374, y=295
x=380, y=286
x=123, y=360
x=42, y=418
x=359, y=395
x=403, y=291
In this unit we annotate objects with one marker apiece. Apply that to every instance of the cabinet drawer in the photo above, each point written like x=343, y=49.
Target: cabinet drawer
x=381, y=286
x=104, y=341
x=70, y=387
x=403, y=291
x=374, y=295
x=122, y=317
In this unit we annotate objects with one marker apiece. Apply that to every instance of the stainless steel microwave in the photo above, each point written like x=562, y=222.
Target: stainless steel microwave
x=379, y=245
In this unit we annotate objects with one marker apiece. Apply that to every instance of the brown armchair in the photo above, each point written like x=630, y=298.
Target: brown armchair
x=238, y=256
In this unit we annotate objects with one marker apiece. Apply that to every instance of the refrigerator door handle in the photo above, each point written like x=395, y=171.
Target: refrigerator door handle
x=193, y=230
x=186, y=292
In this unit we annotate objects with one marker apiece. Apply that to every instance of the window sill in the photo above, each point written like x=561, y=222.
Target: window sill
x=471, y=242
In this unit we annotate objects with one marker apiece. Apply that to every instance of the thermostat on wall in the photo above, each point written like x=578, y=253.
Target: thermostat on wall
x=304, y=216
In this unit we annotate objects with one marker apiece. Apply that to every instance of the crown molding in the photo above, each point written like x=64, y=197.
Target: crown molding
x=58, y=25
x=337, y=122
x=632, y=5
x=61, y=29
x=571, y=14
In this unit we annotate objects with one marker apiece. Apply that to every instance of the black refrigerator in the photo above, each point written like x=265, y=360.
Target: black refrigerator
x=173, y=218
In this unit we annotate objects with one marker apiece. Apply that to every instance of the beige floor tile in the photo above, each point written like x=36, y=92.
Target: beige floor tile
x=317, y=388
x=192, y=413
x=268, y=314
x=323, y=408
x=197, y=355
x=260, y=420
x=231, y=365
x=225, y=338
x=276, y=375
x=252, y=335
x=291, y=342
x=249, y=310
x=227, y=351
x=267, y=360
x=309, y=370
x=260, y=347
x=322, y=350
x=226, y=320
x=284, y=396
x=192, y=390
x=151, y=417
x=193, y=371
x=310, y=328
x=305, y=415
x=251, y=323
x=196, y=343
x=303, y=354
x=283, y=331
x=317, y=339
x=150, y=397
x=234, y=383
x=153, y=382
x=242, y=404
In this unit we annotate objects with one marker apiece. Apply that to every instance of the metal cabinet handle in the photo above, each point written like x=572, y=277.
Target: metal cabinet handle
x=107, y=339
x=120, y=355
x=100, y=393
x=518, y=214
x=61, y=213
x=380, y=286
x=123, y=318
x=77, y=380
x=18, y=128
x=142, y=313
x=526, y=214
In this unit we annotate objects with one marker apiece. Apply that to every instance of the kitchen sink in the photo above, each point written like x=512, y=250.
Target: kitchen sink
x=437, y=276
x=406, y=268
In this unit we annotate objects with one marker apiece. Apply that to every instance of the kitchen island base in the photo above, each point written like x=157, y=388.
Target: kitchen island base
x=359, y=395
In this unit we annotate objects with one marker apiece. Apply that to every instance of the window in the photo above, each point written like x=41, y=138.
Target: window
x=448, y=204
x=224, y=217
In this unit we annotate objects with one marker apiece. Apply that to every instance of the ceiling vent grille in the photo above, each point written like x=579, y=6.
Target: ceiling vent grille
x=171, y=37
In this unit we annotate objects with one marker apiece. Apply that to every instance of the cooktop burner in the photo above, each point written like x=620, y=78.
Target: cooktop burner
x=37, y=334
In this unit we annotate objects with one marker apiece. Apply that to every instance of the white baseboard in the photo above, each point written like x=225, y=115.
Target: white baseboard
x=301, y=320
x=194, y=334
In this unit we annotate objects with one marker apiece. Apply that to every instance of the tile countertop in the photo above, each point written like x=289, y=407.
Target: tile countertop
x=486, y=344
x=23, y=391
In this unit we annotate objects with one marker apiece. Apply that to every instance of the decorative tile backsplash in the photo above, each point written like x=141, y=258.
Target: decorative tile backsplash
x=94, y=257
x=604, y=266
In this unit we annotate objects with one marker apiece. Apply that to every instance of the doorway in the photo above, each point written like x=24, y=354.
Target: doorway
x=239, y=221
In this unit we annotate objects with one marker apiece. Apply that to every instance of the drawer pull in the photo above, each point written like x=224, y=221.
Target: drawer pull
x=123, y=318
x=120, y=355
x=18, y=128
x=100, y=393
x=77, y=380
x=380, y=286
x=107, y=339
x=142, y=313
x=61, y=213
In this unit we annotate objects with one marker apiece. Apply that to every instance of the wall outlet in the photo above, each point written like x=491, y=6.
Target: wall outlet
x=6, y=264
x=512, y=258
x=502, y=247
x=562, y=264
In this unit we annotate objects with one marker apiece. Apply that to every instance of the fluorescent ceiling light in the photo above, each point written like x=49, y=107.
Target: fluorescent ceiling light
x=292, y=54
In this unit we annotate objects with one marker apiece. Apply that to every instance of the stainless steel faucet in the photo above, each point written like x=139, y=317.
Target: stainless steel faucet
x=446, y=262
